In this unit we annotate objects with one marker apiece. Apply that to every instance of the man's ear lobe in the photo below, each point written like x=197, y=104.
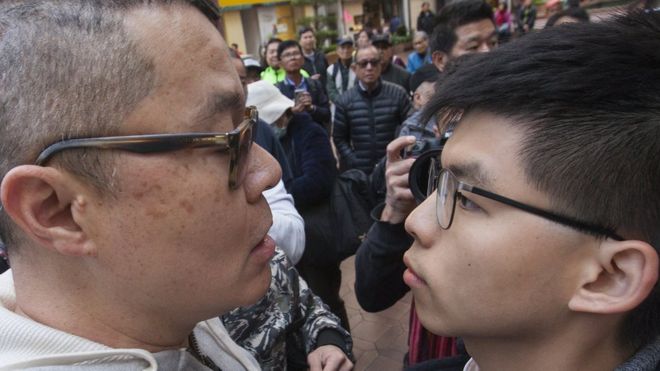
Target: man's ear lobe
x=440, y=60
x=39, y=200
x=621, y=278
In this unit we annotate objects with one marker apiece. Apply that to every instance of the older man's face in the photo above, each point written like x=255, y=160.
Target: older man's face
x=176, y=238
x=368, y=65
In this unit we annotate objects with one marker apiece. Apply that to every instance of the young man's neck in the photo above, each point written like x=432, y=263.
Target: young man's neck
x=583, y=349
x=295, y=76
x=308, y=51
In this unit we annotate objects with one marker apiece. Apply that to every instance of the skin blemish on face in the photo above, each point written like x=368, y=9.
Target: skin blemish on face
x=155, y=214
x=186, y=205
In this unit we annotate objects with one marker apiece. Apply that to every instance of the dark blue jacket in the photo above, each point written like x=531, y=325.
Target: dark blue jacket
x=321, y=113
x=313, y=166
x=266, y=139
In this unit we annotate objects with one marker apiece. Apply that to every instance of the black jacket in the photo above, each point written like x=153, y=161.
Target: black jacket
x=320, y=66
x=321, y=113
x=397, y=75
x=365, y=122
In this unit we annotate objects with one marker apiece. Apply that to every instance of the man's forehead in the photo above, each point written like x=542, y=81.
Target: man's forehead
x=366, y=53
x=482, y=148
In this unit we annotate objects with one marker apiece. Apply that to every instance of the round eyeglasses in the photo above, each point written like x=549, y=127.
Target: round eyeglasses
x=448, y=189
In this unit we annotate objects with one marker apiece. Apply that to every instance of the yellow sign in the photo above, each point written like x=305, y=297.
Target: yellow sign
x=227, y=3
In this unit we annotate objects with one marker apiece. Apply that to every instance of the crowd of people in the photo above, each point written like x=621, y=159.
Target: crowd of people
x=169, y=204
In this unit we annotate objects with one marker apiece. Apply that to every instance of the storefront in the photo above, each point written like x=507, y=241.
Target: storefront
x=250, y=24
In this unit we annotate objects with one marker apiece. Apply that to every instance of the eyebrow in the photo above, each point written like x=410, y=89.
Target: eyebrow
x=226, y=101
x=472, y=173
x=476, y=37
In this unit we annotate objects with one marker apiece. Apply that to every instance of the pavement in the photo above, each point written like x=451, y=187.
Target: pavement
x=380, y=340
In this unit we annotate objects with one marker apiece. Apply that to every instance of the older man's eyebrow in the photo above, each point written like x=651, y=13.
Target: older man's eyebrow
x=226, y=101
x=471, y=173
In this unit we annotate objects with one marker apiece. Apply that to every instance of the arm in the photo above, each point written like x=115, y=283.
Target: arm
x=379, y=260
x=321, y=110
x=288, y=229
x=532, y=18
x=331, y=85
x=379, y=266
x=410, y=66
x=406, y=107
x=317, y=165
x=341, y=135
x=326, y=342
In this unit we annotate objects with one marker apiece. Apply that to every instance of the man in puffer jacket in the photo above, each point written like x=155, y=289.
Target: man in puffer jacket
x=368, y=115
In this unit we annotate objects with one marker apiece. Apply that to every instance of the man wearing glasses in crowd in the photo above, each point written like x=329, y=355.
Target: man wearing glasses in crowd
x=367, y=115
x=539, y=247
x=132, y=199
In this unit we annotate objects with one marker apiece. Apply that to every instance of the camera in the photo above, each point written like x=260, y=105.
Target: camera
x=422, y=146
x=424, y=171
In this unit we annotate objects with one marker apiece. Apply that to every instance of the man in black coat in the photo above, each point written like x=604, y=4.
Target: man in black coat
x=315, y=61
x=390, y=72
x=368, y=115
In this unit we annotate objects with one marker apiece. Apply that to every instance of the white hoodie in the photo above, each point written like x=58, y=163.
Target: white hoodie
x=26, y=344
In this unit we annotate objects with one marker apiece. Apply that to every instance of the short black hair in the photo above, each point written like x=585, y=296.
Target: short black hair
x=286, y=44
x=453, y=16
x=586, y=97
x=305, y=30
x=578, y=14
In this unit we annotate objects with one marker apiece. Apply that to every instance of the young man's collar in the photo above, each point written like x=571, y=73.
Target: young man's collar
x=302, y=85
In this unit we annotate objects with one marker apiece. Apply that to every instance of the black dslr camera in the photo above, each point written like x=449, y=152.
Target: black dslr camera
x=424, y=171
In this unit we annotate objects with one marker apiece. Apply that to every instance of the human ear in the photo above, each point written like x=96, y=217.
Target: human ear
x=440, y=60
x=40, y=200
x=620, y=278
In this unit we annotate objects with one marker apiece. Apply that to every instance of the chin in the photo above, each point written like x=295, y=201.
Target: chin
x=258, y=287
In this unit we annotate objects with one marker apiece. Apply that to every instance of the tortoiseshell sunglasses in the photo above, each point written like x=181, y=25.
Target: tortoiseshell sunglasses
x=238, y=142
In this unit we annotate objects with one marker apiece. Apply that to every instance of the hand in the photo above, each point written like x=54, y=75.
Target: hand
x=328, y=358
x=399, y=201
x=297, y=108
x=305, y=99
x=315, y=76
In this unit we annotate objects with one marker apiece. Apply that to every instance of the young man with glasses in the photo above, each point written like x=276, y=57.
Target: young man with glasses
x=308, y=94
x=367, y=115
x=539, y=247
x=132, y=198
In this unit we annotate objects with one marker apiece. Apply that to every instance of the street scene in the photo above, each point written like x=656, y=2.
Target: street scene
x=330, y=185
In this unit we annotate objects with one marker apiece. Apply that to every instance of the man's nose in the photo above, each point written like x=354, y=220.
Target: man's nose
x=263, y=173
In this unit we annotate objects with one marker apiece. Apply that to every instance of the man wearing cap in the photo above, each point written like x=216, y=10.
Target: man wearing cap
x=341, y=76
x=390, y=72
x=252, y=70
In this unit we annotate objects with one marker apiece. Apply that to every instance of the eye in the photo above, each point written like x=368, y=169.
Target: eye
x=465, y=203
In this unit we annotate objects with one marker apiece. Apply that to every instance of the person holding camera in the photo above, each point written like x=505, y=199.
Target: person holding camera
x=308, y=94
x=464, y=27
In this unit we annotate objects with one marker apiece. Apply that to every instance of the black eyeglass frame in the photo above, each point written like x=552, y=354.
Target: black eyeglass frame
x=581, y=226
x=365, y=63
x=238, y=142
